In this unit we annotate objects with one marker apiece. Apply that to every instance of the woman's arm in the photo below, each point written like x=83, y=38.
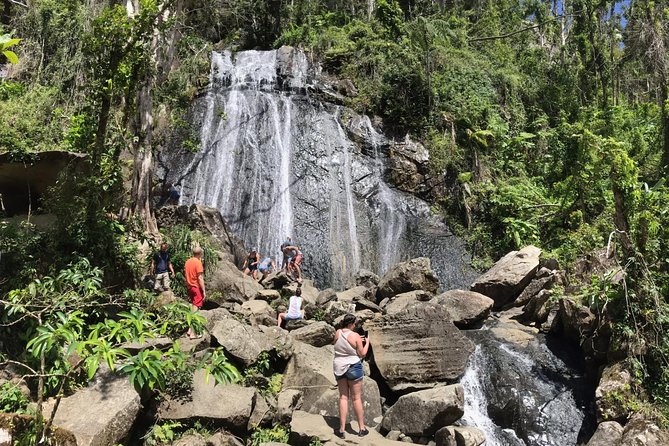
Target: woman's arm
x=357, y=342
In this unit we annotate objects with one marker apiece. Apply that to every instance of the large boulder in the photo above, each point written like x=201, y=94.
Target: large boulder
x=533, y=288
x=466, y=308
x=418, y=347
x=403, y=301
x=367, y=279
x=422, y=413
x=641, y=432
x=509, y=276
x=229, y=405
x=100, y=415
x=306, y=427
x=287, y=401
x=608, y=433
x=459, y=436
x=317, y=334
x=416, y=274
x=258, y=312
x=246, y=343
x=576, y=321
x=309, y=371
x=336, y=309
x=231, y=284
x=328, y=403
x=354, y=294
x=613, y=393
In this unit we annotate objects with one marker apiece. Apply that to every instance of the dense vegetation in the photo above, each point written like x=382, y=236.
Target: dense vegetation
x=547, y=123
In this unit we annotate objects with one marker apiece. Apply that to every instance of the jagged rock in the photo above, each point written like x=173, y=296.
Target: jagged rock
x=367, y=279
x=328, y=403
x=336, y=309
x=613, y=392
x=533, y=288
x=402, y=301
x=149, y=343
x=641, y=432
x=416, y=274
x=232, y=285
x=296, y=324
x=229, y=405
x=459, y=436
x=288, y=401
x=465, y=308
x=325, y=296
x=276, y=281
x=246, y=343
x=354, y=294
x=365, y=304
x=418, y=347
x=261, y=415
x=309, y=371
x=258, y=312
x=306, y=427
x=317, y=334
x=538, y=308
x=268, y=295
x=608, y=433
x=214, y=315
x=207, y=220
x=509, y=276
x=100, y=415
x=422, y=413
x=576, y=321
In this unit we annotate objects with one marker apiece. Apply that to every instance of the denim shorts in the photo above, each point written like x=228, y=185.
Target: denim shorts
x=354, y=372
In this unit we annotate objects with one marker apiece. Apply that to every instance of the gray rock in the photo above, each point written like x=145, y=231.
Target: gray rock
x=465, y=308
x=149, y=343
x=191, y=440
x=233, y=287
x=418, y=347
x=223, y=439
x=258, y=312
x=459, y=436
x=287, y=402
x=246, y=343
x=509, y=276
x=533, y=288
x=276, y=281
x=101, y=415
x=328, y=404
x=268, y=295
x=422, y=413
x=613, y=392
x=608, y=433
x=335, y=309
x=576, y=321
x=365, y=304
x=641, y=432
x=230, y=405
x=325, y=296
x=416, y=274
x=306, y=427
x=309, y=371
x=367, y=279
x=214, y=315
x=261, y=415
x=402, y=301
x=317, y=334
x=296, y=324
x=354, y=294
x=446, y=436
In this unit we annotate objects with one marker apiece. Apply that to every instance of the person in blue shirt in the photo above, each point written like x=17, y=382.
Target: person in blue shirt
x=161, y=267
x=266, y=266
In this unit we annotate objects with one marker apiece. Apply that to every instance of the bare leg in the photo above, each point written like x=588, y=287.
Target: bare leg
x=246, y=271
x=343, y=403
x=356, y=395
x=279, y=320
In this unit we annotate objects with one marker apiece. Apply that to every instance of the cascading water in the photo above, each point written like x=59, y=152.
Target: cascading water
x=278, y=162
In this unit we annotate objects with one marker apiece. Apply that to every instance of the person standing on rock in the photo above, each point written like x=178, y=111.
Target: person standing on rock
x=294, y=257
x=284, y=261
x=265, y=266
x=295, y=310
x=161, y=267
x=350, y=349
x=194, y=272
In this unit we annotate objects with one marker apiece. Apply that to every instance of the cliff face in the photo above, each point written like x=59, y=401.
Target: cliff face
x=278, y=157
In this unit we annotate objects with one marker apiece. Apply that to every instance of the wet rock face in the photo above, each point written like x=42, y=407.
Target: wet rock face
x=533, y=391
x=278, y=162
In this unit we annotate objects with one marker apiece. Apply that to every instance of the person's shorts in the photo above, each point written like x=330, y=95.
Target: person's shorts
x=253, y=267
x=293, y=317
x=263, y=269
x=297, y=260
x=354, y=372
x=196, y=297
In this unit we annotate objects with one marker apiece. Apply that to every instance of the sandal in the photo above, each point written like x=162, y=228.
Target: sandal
x=339, y=433
x=363, y=432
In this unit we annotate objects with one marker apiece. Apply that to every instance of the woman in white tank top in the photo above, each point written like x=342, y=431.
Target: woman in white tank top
x=350, y=348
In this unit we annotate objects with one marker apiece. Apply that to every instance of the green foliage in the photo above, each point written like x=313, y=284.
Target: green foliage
x=276, y=433
x=6, y=42
x=12, y=400
x=218, y=366
x=163, y=433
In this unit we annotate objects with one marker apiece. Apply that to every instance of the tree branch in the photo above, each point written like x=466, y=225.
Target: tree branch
x=522, y=30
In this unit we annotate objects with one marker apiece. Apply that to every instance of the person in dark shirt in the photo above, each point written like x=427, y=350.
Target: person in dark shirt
x=161, y=267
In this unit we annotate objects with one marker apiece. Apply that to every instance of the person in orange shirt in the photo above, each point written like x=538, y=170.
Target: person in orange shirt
x=194, y=272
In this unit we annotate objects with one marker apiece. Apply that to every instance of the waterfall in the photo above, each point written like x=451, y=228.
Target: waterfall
x=278, y=160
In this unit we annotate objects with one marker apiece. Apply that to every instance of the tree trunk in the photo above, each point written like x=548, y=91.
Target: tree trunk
x=665, y=126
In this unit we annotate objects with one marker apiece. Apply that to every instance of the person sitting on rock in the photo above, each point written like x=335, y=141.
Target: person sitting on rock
x=350, y=349
x=266, y=266
x=295, y=311
x=251, y=264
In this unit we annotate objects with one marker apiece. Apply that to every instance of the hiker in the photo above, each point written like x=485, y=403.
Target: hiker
x=194, y=272
x=161, y=267
x=295, y=311
x=294, y=257
x=284, y=261
x=350, y=349
x=251, y=264
x=266, y=266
